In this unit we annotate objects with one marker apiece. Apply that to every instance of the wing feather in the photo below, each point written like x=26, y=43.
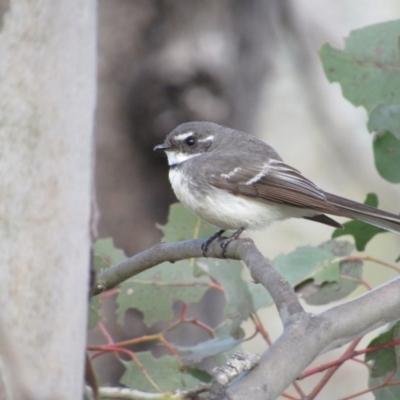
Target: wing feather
x=277, y=182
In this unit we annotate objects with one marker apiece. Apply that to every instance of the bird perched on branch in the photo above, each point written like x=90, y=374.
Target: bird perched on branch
x=235, y=181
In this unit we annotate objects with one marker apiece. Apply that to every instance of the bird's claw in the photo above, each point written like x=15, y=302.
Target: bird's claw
x=205, y=245
x=224, y=244
x=204, y=248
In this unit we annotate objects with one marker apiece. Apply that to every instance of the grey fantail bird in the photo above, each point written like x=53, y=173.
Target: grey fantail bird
x=233, y=180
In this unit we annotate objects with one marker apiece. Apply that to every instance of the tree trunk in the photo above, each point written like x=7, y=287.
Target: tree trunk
x=47, y=100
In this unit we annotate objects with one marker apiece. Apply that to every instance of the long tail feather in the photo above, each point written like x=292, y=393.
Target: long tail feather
x=361, y=212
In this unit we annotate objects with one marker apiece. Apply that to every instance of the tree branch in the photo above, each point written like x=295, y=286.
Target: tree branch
x=261, y=271
x=311, y=335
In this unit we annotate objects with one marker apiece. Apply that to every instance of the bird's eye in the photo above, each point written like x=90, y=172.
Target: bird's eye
x=190, y=141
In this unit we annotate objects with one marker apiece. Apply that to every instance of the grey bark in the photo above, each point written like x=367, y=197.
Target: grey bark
x=47, y=100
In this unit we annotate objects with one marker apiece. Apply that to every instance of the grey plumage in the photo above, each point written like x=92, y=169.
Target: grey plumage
x=234, y=180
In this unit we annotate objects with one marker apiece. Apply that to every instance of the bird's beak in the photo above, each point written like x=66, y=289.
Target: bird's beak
x=162, y=147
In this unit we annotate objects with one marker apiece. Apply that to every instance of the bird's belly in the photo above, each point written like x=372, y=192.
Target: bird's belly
x=223, y=209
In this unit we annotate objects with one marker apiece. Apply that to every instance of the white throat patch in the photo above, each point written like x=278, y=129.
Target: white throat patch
x=175, y=157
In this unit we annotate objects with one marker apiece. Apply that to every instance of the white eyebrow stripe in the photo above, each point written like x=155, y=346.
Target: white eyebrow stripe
x=207, y=139
x=262, y=173
x=183, y=136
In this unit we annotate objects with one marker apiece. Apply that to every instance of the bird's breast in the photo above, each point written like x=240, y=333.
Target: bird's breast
x=221, y=208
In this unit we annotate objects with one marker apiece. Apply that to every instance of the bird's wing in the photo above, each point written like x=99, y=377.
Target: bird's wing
x=274, y=181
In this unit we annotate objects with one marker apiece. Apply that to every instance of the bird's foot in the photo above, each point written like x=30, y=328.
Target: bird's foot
x=205, y=245
x=225, y=242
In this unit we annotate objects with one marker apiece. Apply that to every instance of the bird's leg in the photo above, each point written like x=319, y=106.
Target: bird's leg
x=234, y=236
x=205, y=245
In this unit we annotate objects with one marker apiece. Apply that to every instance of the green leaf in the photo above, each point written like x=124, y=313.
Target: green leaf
x=385, y=118
x=320, y=292
x=329, y=273
x=199, y=374
x=361, y=231
x=104, y=249
x=157, y=374
x=239, y=300
x=224, y=330
x=154, y=292
x=105, y=254
x=387, y=156
x=303, y=263
x=339, y=248
x=384, y=362
x=99, y=264
x=331, y=280
x=368, y=68
x=183, y=225
x=94, y=311
x=261, y=298
x=207, y=348
x=387, y=392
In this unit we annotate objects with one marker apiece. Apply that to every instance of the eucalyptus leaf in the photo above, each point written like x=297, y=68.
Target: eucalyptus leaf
x=334, y=286
x=385, y=118
x=388, y=359
x=157, y=374
x=155, y=291
x=385, y=362
x=387, y=156
x=368, y=67
x=105, y=254
x=94, y=311
x=239, y=300
x=331, y=279
x=110, y=254
x=183, y=225
x=361, y=231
